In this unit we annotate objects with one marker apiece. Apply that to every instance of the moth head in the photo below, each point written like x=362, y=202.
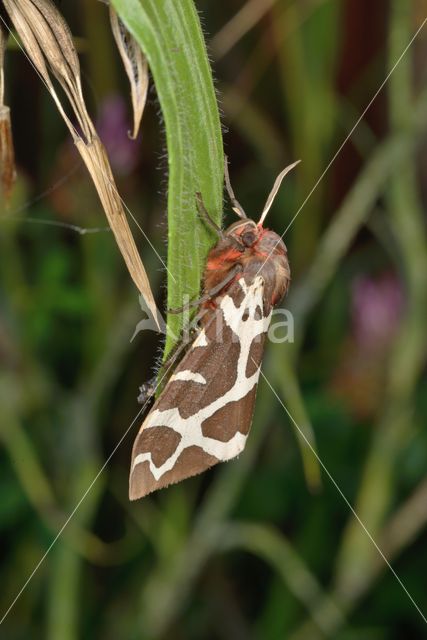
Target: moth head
x=245, y=232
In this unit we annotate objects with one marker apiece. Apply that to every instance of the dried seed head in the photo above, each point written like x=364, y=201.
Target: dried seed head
x=49, y=45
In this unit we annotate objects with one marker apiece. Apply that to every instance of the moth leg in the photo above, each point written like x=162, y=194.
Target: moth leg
x=175, y=353
x=148, y=389
x=212, y=292
x=204, y=214
x=235, y=204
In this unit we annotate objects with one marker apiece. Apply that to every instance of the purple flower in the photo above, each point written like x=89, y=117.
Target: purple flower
x=113, y=126
x=377, y=306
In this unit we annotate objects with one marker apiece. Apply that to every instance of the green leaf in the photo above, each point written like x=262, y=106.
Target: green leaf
x=170, y=35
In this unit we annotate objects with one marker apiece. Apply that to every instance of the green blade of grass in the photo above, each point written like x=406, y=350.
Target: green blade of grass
x=170, y=35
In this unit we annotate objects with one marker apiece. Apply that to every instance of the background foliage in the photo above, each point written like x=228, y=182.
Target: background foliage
x=263, y=547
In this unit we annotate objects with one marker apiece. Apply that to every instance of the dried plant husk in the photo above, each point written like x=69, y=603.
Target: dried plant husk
x=49, y=45
x=7, y=153
x=136, y=67
x=3, y=44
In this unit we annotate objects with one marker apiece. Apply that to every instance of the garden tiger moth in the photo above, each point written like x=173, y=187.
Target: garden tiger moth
x=204, y=412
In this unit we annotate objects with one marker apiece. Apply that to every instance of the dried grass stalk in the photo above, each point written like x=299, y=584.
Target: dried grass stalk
x=136, y=67
x=7, y=154
x=48, y=42
x=96, y=160
x=3, y=44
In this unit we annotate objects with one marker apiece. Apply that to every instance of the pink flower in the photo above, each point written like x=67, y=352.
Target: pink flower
x=377, y=305
x=113, y=126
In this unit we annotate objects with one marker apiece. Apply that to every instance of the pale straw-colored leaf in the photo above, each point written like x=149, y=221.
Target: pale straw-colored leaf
x=136, y=67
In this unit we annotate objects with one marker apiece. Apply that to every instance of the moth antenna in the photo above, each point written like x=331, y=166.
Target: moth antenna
x=274, y=190
x=235, y=204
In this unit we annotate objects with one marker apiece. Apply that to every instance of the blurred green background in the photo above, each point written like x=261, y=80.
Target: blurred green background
x=267, y=546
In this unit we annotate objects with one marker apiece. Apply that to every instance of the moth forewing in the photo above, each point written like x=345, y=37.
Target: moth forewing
x=204, y=414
